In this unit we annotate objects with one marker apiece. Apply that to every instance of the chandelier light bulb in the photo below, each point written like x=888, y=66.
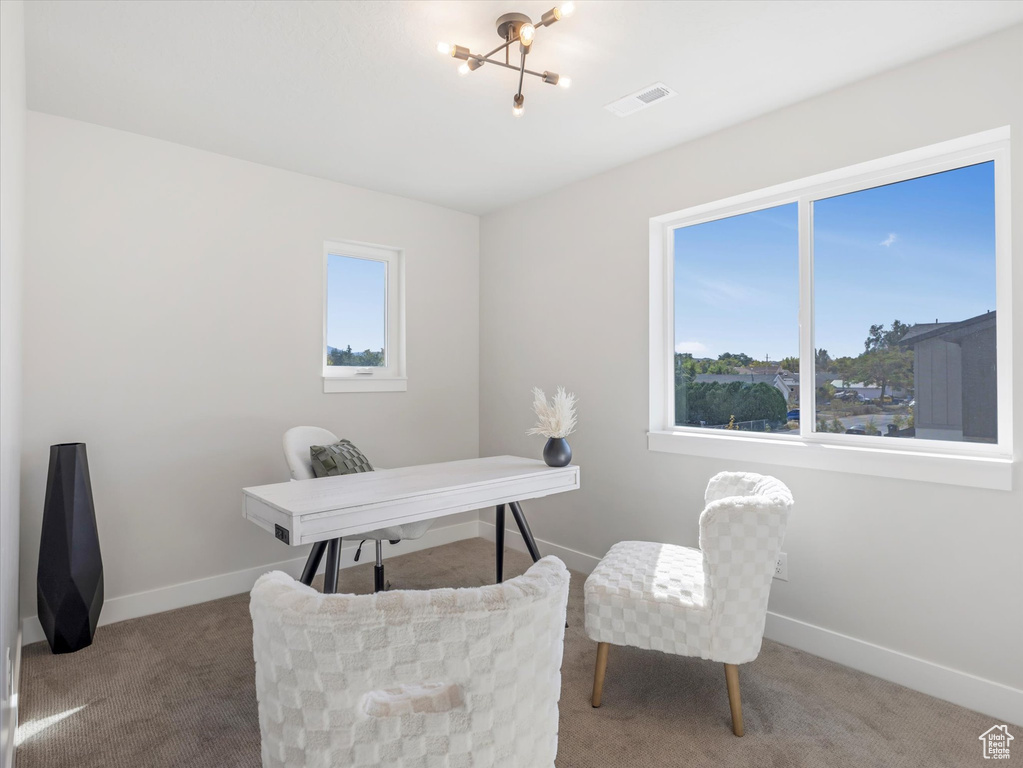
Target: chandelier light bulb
x=517, y=108
x=526, y=34
x=464, y=69
x=444, y=48
x=517, y=111
x=565, y=82
x=565, y=10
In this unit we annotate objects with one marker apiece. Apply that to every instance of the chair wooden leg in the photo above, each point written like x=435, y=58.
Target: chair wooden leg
x=734, y=699
x=598, y=674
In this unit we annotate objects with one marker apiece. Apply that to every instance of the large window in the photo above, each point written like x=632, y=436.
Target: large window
x=363, y=330
x=865, y=308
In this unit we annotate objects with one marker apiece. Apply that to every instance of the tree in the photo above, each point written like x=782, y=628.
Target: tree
x=716, y=403
x=365, y=359
x=790, y=364
x=741, y=359
x=822, y=361
x=883, y=361
x=887, y=368
x=880, y=338
x=845, y=367
x=825, y=392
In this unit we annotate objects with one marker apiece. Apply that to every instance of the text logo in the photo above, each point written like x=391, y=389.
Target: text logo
x=996, y=742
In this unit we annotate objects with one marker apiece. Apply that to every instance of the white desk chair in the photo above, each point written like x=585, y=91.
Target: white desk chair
x=444, y=677
x=297, y=442
x=709, y=602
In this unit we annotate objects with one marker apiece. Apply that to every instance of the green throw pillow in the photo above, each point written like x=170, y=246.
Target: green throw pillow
x=341, y=458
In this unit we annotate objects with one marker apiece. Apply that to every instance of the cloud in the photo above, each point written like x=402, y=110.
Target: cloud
x=691, y=347
x=892, y=237
x=726, y=294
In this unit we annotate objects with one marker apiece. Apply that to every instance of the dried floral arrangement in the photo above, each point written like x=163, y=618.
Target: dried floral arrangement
x=555, y=418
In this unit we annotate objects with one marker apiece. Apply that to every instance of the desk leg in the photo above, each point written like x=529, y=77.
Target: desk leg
x=313, y=562
x=333, y=561
x=527, y=535
x=499, y=537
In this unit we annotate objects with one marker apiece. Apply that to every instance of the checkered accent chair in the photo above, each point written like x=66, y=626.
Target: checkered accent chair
x=411, y=679
x=709, y=602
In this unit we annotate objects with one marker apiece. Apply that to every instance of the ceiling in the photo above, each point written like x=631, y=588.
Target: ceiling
x=357, y=92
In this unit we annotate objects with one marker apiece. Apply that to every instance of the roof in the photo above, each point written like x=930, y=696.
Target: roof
x=820, y=378
x=953, y=332
x=728, y=378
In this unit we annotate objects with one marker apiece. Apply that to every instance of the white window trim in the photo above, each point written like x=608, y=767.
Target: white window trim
x=955, y=463
x=392, y=377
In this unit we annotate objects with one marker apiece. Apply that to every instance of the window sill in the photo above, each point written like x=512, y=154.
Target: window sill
x=364, y=384
x=950, y=469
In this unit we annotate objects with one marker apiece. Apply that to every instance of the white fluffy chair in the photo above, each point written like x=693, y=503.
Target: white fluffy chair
x=439, y=678
x=709, y=602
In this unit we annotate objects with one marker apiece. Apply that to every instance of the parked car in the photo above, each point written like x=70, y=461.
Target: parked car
x=848, y=395
x=793, y=415
x=856, y=429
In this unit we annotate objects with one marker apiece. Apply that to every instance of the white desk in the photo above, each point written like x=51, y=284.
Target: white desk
x=331, y=508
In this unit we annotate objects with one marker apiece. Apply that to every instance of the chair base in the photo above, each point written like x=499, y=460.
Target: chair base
x=734, y=698
x=731, y=681
x=598, y=674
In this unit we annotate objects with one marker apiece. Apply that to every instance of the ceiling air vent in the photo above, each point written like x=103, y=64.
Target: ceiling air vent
x=641, y=99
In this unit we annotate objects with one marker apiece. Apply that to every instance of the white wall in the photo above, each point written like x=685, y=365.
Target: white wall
x=12, y=199
x=928, y=570
x=172, y=322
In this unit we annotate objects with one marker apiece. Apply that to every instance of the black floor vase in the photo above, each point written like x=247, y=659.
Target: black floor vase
x=69, y=582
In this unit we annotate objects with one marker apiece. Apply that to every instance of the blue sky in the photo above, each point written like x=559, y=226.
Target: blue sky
x=356, y=303
x=915, y=251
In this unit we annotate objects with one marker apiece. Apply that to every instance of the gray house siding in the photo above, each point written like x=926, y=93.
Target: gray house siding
x=980, y=407
x=937, y=379
x=955, y=378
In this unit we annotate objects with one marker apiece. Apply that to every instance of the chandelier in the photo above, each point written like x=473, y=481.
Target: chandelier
x=512, y=28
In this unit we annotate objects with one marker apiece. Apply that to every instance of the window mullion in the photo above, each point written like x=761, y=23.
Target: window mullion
x=807, y=366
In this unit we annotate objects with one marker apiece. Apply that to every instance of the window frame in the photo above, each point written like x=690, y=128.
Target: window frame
x=392, y=377
x=960, y=463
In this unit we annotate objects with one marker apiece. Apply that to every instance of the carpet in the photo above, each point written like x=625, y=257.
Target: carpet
x=177, y=689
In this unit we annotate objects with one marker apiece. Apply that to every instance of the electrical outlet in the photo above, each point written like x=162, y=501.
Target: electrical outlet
x=781, y=567
x=282, y=533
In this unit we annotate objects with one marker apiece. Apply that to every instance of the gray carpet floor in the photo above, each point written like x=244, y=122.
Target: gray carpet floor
x=177, y=689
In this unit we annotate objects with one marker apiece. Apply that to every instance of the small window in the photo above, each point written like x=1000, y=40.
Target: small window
x=363, y=326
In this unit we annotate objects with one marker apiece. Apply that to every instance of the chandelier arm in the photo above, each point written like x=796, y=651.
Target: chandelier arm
x=498, y=63
x=501, y=47
x=522, y=69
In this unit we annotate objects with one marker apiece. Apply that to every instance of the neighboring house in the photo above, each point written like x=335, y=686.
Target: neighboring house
x=791, y=381
x=864, y=391
x=954, y=376
x=774, y=379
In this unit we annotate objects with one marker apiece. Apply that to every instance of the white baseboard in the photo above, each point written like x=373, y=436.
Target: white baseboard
x=10, y=748
x=976, y=693
x=575, y=560
x=227, y=584
x=986, y=696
